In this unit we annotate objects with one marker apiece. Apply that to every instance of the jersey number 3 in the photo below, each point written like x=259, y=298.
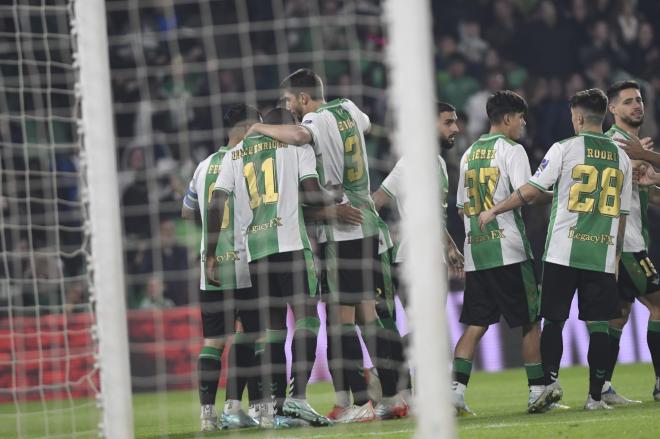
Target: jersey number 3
x=474, y=178
x=353, y=147
x=583, y=194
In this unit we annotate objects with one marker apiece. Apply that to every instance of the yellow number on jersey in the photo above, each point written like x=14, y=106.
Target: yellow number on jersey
x=581, y=198
x=225, y=215
x=353, y=146
x=609, y=203
x=647, y=265
x=270, y=192
x=486, y=176
x=582, y=188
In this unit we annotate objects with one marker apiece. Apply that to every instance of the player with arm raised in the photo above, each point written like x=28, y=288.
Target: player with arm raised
x=499, y=270
x=265, y=175
x=638, y=278
x=591, y=176
x=218, y=303
x=337, y=130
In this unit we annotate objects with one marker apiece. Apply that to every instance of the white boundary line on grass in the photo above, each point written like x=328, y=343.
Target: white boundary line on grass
x=367, y=433
x=574, y=421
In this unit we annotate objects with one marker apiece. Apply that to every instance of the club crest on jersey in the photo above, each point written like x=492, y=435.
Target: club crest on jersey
x=542, y=166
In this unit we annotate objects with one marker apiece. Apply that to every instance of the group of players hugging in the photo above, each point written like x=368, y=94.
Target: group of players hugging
x=288, y=220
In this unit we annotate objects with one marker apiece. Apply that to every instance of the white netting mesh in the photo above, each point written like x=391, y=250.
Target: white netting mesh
x=49, y=378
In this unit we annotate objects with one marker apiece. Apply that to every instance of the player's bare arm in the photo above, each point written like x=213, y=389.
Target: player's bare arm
x=188, y=214
x=526, y=194
x=344, y=213
x=380, y=198
x=455, y=258
x=289, y=134
x=215, y=212
x=619, y=242
x=654, y=196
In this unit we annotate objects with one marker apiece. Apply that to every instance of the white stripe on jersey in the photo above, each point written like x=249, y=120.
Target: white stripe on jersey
x=197, y=186
x=511, y=160
x=633, y=240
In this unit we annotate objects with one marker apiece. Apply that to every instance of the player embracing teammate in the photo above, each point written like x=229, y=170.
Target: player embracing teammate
x=306, y=169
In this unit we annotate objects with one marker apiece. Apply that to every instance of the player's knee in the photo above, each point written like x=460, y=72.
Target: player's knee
x=217, y=343
x=531, y=329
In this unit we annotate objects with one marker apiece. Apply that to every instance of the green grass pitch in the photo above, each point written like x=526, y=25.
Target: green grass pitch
x=499, y=399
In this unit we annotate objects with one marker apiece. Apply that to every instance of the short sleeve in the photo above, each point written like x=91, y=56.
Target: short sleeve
x=518, y=166
x=362, y=120
x=190, y=200
x=393, y=182
x=626, y=190
x=461, y=196
x=306, y=162
x=548, y=172
x=312, y=123
x=225, y=181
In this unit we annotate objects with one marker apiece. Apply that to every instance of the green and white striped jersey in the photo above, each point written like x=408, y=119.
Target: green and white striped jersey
x=592, y=188
x=337, y=129
x=490, y=171
x=637, y=231
x=393, y=187
x=230, y=253
x=264, y=175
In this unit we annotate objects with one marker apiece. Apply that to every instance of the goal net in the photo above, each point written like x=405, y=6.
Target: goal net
x=48, y=343
x=176, y=68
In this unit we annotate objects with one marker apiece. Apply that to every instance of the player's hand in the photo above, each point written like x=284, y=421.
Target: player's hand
x=456, y=262
x=645, y=175
x=485, y=217
x=634, y=147
x=210, y=269
x=254, y=129
x=348, y=214
x=647, y=143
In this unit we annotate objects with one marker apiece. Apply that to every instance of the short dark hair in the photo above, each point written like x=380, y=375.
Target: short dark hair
x=592, y=101
x=616, y=88
x=279, y=116
x=444, y=107
x=304, y=81
x=240, y=113
x=502, y=103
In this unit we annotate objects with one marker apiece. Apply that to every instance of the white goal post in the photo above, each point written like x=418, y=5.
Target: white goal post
x=412, y=100
x=103, y=197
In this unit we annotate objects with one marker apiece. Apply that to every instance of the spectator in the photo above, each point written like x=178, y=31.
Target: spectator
x=627, y=22
x=603, y=44
x=454, y=85
x=501, y=31
x=471, y=45
x=644, y=55
x=475, y=107
x=75, y=298
x=546, y=46
x=154, y=297
x=171, y=258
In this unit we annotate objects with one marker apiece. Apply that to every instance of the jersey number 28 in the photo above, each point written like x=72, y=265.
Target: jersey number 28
x=583, y=194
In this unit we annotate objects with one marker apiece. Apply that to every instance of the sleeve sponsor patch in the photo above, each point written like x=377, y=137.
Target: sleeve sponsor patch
x=542, y=166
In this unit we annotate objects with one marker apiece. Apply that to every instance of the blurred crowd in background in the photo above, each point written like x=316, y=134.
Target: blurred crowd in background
x=177, y=65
